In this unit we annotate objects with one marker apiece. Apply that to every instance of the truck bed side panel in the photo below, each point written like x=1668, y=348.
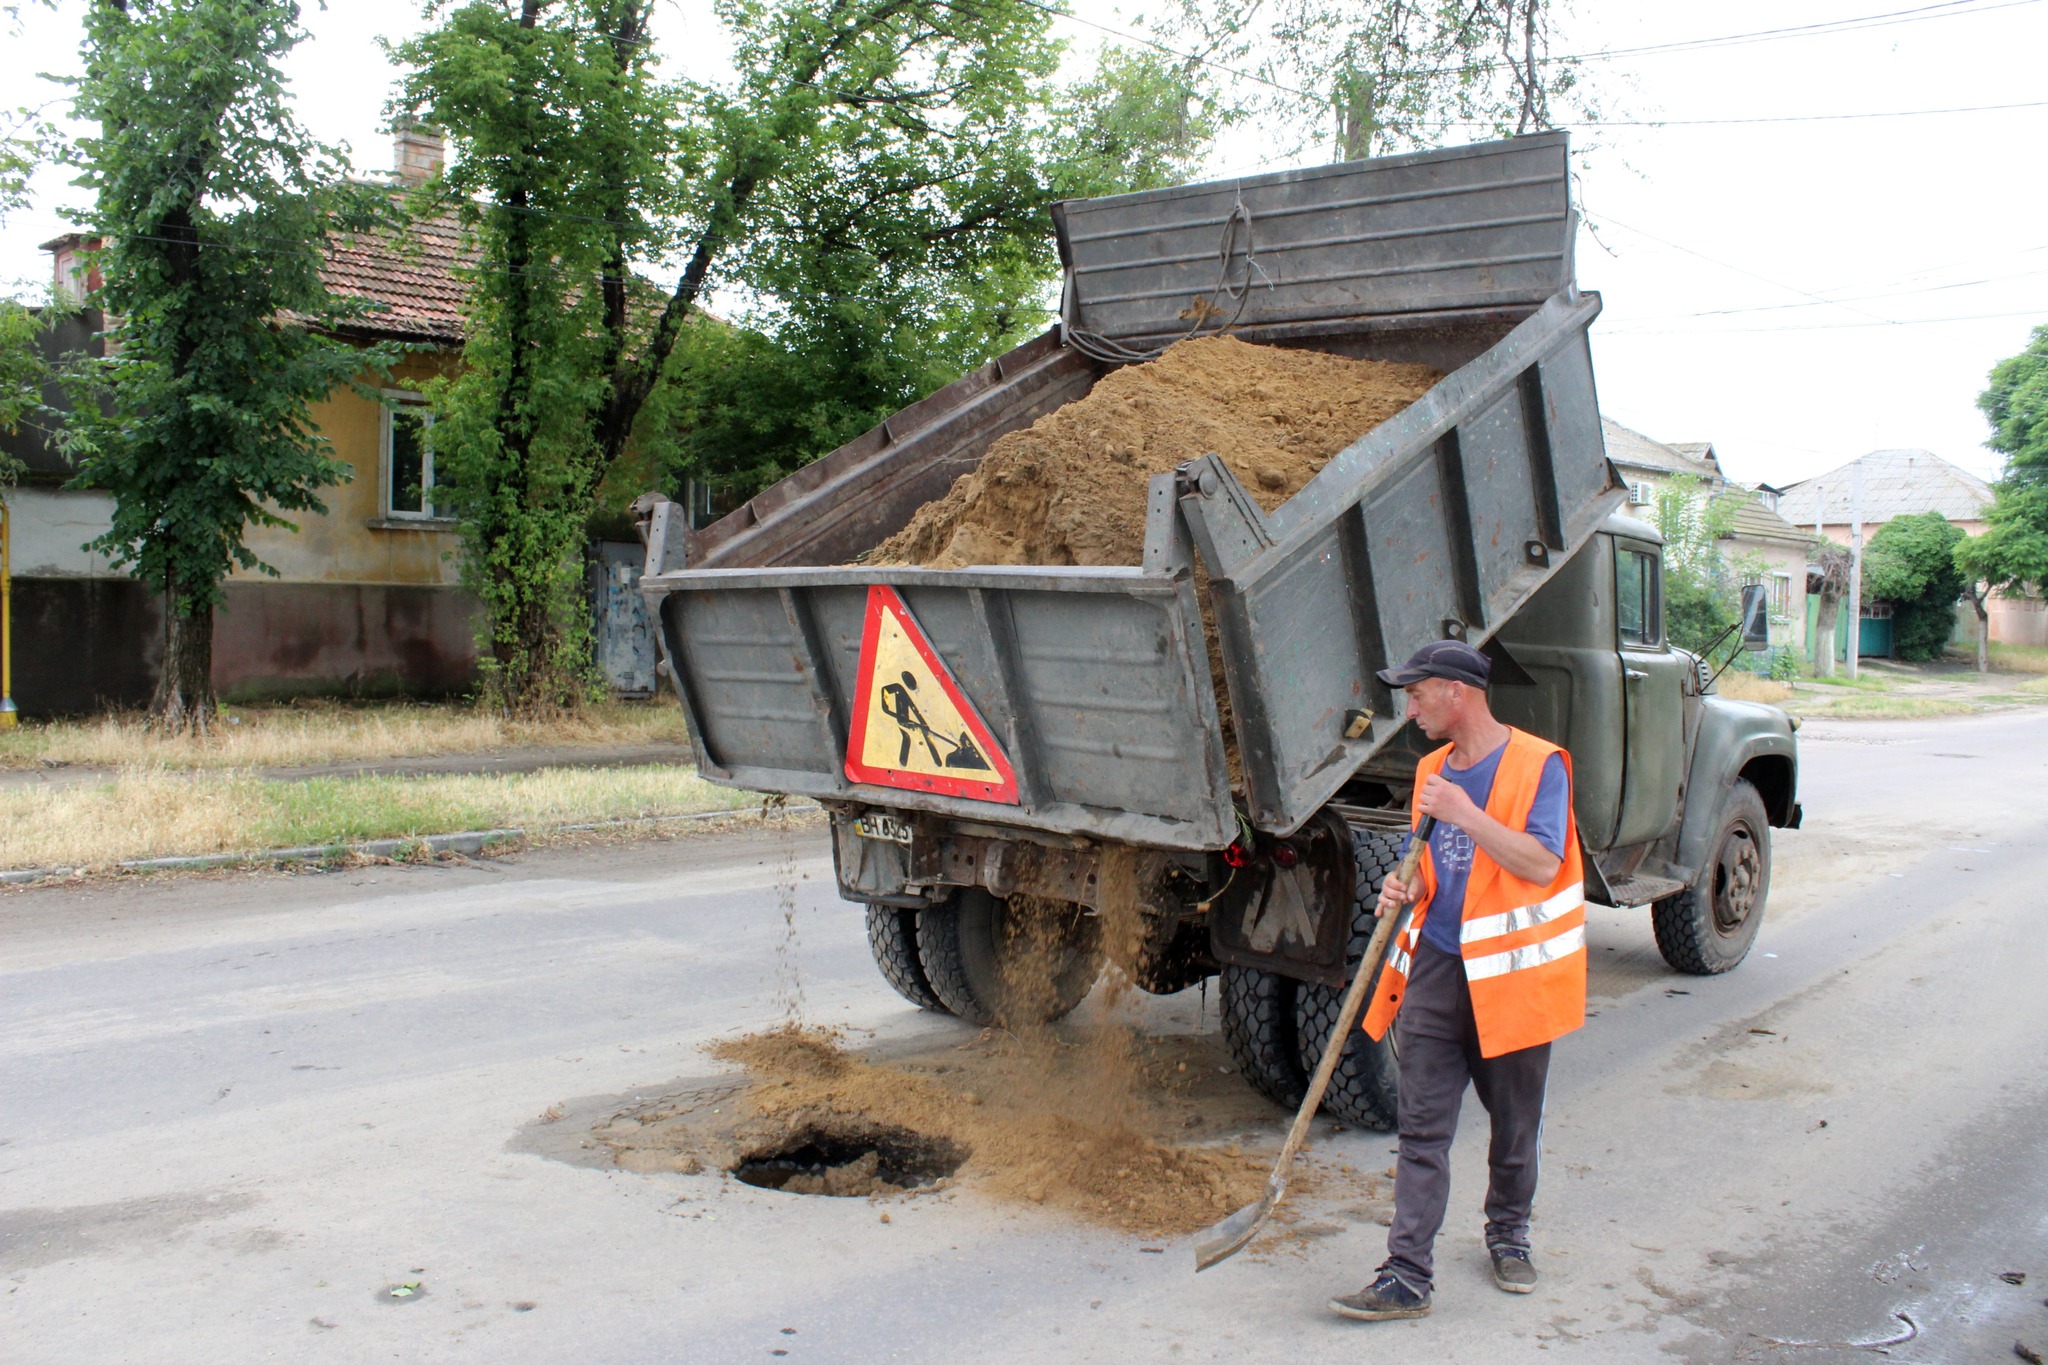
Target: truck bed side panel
x=1441, y=522
x=1095, y=682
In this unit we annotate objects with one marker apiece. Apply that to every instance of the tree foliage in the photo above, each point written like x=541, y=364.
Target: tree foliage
x=2011, y=556
x=869, y=190
x=213, y=204
x=1910, y=563
x=1389, y=77
x=1700, y=594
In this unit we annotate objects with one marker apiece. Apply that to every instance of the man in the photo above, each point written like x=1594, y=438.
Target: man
x=1490, y=970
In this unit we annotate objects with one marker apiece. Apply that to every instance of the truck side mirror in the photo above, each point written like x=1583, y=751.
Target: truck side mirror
x=1756, y=621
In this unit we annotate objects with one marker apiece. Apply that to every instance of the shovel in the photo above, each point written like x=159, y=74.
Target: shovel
x=1223, y=1240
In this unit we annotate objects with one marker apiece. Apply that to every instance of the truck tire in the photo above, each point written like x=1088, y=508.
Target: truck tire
x=892, y=938
x=1708, y=928
x=966, y=946
x=1258, y=1028
x=1365, y=1088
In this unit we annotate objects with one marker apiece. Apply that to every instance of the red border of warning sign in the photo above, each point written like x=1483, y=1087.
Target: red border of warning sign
x=881, y=599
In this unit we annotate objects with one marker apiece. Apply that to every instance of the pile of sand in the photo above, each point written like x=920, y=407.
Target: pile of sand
x=1071, y=488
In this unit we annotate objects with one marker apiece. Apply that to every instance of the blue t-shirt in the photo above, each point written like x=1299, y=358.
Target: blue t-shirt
x=1450, y=848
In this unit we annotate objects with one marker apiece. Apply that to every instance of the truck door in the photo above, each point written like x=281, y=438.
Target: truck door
x=1653, y=697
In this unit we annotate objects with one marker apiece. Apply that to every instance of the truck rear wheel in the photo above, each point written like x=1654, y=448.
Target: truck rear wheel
x=1008, y=961
x=892, y=938
x=1365, y=1087
x=1708, y=928
x=1258, y=1028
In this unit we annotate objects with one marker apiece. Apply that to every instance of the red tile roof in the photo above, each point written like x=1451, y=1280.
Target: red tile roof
x=410, y=279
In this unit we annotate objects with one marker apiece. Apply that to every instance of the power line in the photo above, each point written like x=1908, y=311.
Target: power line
x=1792, y=118
x=2040, y=312
x=1628, y=327
x=1740, y=270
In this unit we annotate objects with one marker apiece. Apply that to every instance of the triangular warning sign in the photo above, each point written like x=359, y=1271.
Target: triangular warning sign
x=912, y=725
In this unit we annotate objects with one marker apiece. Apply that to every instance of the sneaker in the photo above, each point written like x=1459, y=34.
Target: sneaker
x=1512, y=1269
x=1386, y=1297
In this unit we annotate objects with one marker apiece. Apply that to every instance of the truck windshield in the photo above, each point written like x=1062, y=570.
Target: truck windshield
x=1635, y=596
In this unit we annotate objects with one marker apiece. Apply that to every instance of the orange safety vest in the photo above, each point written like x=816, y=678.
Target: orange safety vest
x=1524, y=943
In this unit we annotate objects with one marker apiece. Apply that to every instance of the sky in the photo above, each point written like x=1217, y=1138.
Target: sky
x=1784, y=273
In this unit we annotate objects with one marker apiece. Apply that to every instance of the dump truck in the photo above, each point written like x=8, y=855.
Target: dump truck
x=1026, y=768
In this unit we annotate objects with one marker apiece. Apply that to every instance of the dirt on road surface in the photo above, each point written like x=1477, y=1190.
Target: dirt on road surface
x=1022, y=1120
x=1071, y=488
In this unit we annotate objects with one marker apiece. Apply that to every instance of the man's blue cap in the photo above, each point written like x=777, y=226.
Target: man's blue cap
x=1453, y=659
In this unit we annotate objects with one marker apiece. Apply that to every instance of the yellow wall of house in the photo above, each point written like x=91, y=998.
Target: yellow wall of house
x=342, y=546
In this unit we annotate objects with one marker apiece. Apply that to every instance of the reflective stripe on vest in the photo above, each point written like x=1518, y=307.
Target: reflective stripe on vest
x=1572, y=940
x=1523, y=917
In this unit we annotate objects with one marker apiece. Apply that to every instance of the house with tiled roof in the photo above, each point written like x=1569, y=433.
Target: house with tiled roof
x=1891, y=483
x=1762, y=545
x=366, y=597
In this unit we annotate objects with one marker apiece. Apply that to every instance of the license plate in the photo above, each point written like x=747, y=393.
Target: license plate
x=886, y=828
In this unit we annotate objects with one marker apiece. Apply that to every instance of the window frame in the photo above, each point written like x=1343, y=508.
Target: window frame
x=1653, y=599
x=412, y=399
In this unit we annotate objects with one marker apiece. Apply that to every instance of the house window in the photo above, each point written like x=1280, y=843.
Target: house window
x=1635, y=597
x=408, y=456
x=1781, y=597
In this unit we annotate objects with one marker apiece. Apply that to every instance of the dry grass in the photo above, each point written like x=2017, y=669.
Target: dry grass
x=1738, y=686
x=306, y=734
x=2019, y=658
x=160, y=812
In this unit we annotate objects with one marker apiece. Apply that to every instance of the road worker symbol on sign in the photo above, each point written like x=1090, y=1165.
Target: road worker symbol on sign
x=913, y=727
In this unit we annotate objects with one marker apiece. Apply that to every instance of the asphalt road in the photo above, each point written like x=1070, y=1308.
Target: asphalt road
x=234, y=1112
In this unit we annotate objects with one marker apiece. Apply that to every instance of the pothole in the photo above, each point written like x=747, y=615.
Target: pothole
x=851, y=1164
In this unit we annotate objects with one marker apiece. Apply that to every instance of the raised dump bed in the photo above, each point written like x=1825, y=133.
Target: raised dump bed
x=1082, y=700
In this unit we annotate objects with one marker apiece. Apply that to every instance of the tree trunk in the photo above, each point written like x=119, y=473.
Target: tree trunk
x=184, y=700
x=1983, y=635
x=1824, y=636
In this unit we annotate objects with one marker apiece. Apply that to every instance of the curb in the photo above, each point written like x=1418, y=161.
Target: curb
x=469, y=843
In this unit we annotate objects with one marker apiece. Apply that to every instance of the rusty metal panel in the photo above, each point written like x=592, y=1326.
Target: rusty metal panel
x=1465, y=227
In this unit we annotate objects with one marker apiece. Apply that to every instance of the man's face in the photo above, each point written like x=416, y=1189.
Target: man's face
x=1435, y=704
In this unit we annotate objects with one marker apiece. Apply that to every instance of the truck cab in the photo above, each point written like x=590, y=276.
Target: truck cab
x=1588, y=665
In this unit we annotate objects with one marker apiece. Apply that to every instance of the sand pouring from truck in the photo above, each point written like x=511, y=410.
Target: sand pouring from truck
x=1194, y=740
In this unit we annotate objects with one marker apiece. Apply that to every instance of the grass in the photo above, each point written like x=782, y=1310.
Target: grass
x=2019, y=658
x=144, y=813
x=308, y=734
x=1739, y=686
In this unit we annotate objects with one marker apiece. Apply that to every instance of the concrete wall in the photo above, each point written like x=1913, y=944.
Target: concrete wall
x=2016, y=621
x=84, y=644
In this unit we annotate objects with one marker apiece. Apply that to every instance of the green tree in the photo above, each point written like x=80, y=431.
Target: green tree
x=1700, y=594
x=1911, y=563
x=1389, y=77
x=870, y=187
x=213, y=204
x=2011, y=556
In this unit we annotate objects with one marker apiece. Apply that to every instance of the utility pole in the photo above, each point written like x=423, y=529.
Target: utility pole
x=7, y=713
x=1822, y=651
x=1855, y=566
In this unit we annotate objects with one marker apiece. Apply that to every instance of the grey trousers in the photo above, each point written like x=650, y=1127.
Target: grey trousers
x=1439, y=1050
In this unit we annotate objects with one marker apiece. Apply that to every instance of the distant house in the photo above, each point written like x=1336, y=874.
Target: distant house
x=367, y=599
x=1761, y=544
x=1900, y=483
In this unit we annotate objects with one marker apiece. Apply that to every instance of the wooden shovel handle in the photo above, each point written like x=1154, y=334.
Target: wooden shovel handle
x=1354, y=1003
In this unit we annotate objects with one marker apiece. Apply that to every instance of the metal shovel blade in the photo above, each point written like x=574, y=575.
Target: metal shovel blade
x=1220, y=1241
